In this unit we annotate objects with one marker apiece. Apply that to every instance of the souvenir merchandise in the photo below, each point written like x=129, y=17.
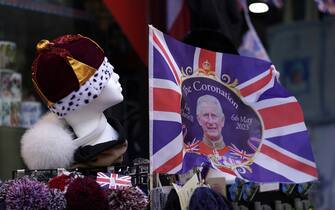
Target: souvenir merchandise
x=73, y=189
x=68, y=60
x=205, y=198
x=240, y=194
x=113, y=180
x=60, y=182
x=214, y=119
x=10, y=113
x=288, y=189
x=125, y=198
x=57, y=200
x=304, y=188
x=7, y=54
x=85, y=194
x=249, y=190
x=172, y=202
x=30, y=113
x=26, y=193
x=159, y=196
x=256, y=119
x=10, y=85
x=5, y=112
x=3, y=189
x=74, y=78
x=235, y=190
x=10, y=97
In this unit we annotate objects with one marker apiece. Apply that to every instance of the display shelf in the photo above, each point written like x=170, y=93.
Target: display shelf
x=47, y=8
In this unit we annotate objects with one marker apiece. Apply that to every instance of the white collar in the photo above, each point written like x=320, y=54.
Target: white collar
x=94, y=134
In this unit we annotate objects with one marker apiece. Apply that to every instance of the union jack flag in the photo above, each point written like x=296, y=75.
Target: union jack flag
x=192, y=146
x=284, y=154
x=242, y=154
x=112, y=180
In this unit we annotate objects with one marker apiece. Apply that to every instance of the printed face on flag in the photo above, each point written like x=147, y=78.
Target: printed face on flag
x=210, y=118
x=216, y=128
x=227, y=111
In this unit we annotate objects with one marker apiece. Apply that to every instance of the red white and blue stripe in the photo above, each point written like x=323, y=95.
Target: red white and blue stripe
x=284, y=155
x=113, y=180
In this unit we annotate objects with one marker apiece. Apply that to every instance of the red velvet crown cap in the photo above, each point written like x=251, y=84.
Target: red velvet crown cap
x=51, y=71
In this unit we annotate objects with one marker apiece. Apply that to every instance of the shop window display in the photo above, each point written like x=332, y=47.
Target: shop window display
x=220, y=26
x=50, y=19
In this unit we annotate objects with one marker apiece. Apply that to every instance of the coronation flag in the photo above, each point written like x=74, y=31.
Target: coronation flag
x=264, y=131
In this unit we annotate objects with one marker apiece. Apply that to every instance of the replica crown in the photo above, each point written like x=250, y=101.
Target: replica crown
x=69, y=72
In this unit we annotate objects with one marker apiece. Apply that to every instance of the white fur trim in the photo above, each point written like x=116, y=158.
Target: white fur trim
x=48, y=144
x=90, y=90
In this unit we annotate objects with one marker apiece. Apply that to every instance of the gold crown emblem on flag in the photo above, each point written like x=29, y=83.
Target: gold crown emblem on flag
x=206, y=70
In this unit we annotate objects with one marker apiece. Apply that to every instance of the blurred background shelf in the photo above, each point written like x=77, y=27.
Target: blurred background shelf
x=10, y=158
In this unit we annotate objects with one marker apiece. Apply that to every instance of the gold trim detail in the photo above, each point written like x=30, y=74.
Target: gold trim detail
x=42, y=45
x=44, y=98
x=83, y=71
x=92, y=41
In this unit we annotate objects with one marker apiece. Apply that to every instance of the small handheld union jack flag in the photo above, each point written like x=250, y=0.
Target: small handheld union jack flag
x=112, y=180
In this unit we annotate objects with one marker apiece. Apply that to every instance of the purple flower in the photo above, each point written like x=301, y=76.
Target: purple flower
x=4, y=188
x=127, y=198
x=57, y=200
x=27, y=194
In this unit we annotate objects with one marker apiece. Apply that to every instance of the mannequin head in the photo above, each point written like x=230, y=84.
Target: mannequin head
x=74, y=78
x=110, y=95
x=88, y=117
